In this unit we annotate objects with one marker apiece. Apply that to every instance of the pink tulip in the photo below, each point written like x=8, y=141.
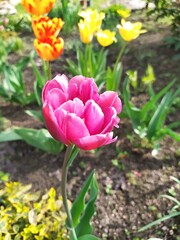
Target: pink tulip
x=75, y=113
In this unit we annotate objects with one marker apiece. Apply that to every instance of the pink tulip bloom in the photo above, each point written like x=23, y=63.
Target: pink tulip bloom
x=75, y=113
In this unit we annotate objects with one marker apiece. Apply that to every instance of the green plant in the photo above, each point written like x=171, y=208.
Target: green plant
x=145, y=82
x=12, y=86
x=27, y=216
x=37, y=138
x=68, y=11
x=149, y=120
x=173, y=212
x=90, y=63
x=167, y=8
x=4, y=177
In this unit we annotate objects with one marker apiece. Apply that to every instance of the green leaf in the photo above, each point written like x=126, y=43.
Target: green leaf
x=84, y=226
x=171, y=133
x=74, y=153
x=171, y=198
x=133, y=112
x=156, y=222
x=40, y=139
x=152, y=103
x=9, y=135
x=38, y=75
x=158, y=117
x=88, y=237
x=35, y=114
x=79, y=204
x=37, y=92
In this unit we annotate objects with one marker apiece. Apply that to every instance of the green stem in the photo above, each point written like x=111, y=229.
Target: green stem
x=89, y=60
x=47, y=70
x=64, y=190
x=119, y=56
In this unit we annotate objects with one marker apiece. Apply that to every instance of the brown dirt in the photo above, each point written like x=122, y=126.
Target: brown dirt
x=129, y=192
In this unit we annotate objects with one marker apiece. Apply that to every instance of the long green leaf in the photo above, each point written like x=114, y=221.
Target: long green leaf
x=37, y=114
x=133, y=112
x=171, y=133
x=38, y=75
x=171, y=198
x=9, y=135
x=152, y=103
x=156, y=222
x=40, y=139
x=158, y=118
x=84, y=227
x=74, y=153
x=79, y=204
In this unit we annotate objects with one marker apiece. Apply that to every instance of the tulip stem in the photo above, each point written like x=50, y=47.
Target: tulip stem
x=64, y=190
x=47, y=70
x=89, y=60
x=120, y=55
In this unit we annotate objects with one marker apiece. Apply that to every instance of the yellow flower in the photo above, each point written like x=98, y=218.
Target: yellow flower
x=130, y=31
x=125, y=13
x=93, y=17
x=86, y=31
x=45, y=27
x=38, y=7
x=49, y=49
x=105, y=37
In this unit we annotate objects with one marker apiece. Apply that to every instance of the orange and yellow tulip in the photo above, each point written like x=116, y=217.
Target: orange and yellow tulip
x=130, y=31
x=105, y=37
x=44, y=27
x=38, y=7
x=49, y=49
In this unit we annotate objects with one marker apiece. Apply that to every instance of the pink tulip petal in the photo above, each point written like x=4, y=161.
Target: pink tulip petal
x=60, y=82
x=52, y=124
x=95, y=141
x=55, y=98
x=76, y=106
x=93, y=117
x=110, y=120
x=83, y=88
x=110, y=99
x=76, y=128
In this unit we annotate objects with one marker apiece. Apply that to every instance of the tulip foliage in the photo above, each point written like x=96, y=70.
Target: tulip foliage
x=148, y=121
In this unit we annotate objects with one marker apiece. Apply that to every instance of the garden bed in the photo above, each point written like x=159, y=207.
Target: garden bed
x=130, y=178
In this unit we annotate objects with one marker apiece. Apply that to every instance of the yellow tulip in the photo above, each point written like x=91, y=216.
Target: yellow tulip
x=45, y=27
x=49, y=49
x=86, y=31
x=38, y=7
x=125, y=13
x=130, y=31
x=105, y=37
x=93, y=17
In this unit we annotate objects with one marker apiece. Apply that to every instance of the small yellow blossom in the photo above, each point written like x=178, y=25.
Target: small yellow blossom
x=86, y=31
x=105, y=37
x=130, y=31
x=93, y=17
x=125, y=13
